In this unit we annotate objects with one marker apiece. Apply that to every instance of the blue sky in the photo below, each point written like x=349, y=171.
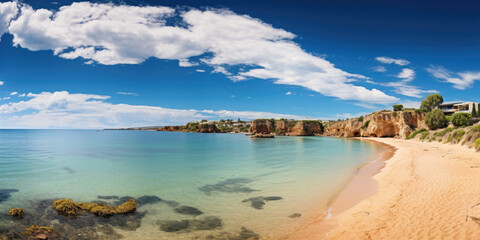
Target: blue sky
x=130, y=63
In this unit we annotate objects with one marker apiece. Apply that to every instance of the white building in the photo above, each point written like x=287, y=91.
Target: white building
x=454, y=107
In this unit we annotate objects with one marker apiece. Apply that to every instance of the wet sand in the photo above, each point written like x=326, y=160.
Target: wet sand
x=425, y=191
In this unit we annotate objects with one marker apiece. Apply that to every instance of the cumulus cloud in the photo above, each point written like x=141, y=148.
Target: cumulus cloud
x=461, y=81
x=13, y=93
x=65, y=110
x=1, y=83
x=119, y=34
x=8, y=10
x=389, y=60
x=288, y=93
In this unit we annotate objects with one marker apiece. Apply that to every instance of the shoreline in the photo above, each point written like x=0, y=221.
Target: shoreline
x=425, y=191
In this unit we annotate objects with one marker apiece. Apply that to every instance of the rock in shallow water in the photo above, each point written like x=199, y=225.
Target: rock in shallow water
x=206, y=223
x=295, y=215
x=5, y=194
x=258, y=202
x=232, y=185
x=245, y=234
x=187, y=210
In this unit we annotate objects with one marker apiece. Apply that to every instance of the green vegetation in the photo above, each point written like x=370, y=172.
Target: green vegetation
x=420, y=110
x=424, y=135
x=413, y=134
x=204, y=120
x=394, y=114
x=431, y=102
x=474, y=111
x=365, y=125
x=360, y=118
x=398, y=107
x=443, y=132
x=477, y=143
x=449, y=118
x=476, y=128
x=457, y=135
x=461, y=119
x=192, y=126
x=436, y=119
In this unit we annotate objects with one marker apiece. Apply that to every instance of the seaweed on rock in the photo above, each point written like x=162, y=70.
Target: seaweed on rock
x=16, y=212
x=69, y=208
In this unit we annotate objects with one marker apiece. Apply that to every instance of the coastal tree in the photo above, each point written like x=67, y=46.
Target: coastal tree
x=398, y=107
x=474, y=111
x=461, y=119
x=431, y=102
x=436, y=119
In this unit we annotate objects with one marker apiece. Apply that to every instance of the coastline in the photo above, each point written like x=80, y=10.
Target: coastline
x=425, y=191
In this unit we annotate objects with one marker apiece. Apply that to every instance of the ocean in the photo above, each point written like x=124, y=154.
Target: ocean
x=187, y=185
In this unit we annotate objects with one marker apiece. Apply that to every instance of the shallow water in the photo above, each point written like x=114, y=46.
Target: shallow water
x=251, y=183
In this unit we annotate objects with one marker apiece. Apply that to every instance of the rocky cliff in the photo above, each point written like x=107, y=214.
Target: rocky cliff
x=378, y=124
x=286, y=127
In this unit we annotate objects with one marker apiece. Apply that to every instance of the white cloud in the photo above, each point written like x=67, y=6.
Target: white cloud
x=13, y=93
x=462, y=82
x=389, y=60
x=5, y=98
x=411, y=104
x=127, y=93
x=407, y=74
x=22, y=95
x=379, y=69
x=187, y=63
x=66, y=110
x=111, y=34
x=1, y=83
x=404, y=87
x=200, y=70
x=8, y=10
x=288, y=93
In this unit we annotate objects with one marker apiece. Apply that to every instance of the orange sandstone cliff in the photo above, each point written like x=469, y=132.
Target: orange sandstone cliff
x=378, y=124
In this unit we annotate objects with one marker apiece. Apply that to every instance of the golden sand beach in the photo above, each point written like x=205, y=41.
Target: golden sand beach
x=425, y=191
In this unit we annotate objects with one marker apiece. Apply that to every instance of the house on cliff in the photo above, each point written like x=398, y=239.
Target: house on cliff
x=454, y=107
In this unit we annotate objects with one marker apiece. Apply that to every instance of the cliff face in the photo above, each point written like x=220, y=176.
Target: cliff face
x=378, y=124
x=286, y=127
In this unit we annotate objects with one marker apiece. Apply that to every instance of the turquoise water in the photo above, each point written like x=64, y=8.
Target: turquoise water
x=211, y=172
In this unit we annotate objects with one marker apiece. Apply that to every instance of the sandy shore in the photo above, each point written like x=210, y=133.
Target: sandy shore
x=425, y=191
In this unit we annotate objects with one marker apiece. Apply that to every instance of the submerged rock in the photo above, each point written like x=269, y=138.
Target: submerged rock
x=187, y=210
x=206, y=223
x=244, y=234
x=258, y=202
x=232, y=185
x=295, y=215
x=16, y=212
x=174, y=226
x=5, y=194
x=107, y=197
x=83, y=226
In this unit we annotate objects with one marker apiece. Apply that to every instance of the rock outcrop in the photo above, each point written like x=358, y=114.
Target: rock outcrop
x=286, y=127
x=378, y=124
